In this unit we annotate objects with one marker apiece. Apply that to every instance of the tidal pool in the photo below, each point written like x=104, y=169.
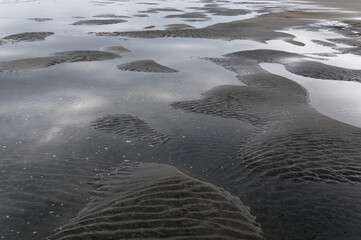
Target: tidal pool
x=99, y=133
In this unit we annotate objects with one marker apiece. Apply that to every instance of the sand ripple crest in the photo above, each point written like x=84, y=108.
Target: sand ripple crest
x=129, y=126
x=142, y=201
x=292, y=140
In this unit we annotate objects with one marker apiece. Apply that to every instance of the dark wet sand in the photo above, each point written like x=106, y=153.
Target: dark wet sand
x=287, y=172
x=146, y=66
x=116, y=49
x=162, y=202
x=57, y=58
x=26, y=37
x=99, y=22
x=260, y=29
x=40, y=19
x=178, y=26
x=131, y=127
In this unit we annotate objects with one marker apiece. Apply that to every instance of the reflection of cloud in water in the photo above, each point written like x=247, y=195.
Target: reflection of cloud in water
x=45, y=122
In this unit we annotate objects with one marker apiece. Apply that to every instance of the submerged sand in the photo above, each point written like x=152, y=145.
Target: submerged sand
x=146, y=66
x=57, y=58
x=272, y=167
x=163, y=203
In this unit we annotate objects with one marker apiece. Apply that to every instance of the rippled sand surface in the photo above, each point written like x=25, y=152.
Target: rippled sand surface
x=180, y=119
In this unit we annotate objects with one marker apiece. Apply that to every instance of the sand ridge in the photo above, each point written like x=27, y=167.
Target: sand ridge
x=163, y=203
x=146, y=66
x=305, y=149
x=129, y=126
x=99, y=22
x=298, y=170
x=296, y=64
x=261, y=29
x=110, y=15
x=29, y=64
x=178, y=26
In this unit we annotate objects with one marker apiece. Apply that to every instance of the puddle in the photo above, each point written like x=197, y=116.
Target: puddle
x=339, y=100
x=47, y=116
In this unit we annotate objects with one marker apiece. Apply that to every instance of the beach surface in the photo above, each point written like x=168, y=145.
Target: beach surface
x=180, y=119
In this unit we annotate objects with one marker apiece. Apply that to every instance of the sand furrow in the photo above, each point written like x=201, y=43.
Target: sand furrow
x=124, y=214
x=131, y=127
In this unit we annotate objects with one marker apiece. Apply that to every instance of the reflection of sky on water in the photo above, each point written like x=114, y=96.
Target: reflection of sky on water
x=14, y=16
x=46, y=114
x=64, y=11
x=74, y=94
x=338, y=99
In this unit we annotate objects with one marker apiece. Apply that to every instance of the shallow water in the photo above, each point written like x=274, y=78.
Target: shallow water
x=345, y=105
x=53, y=140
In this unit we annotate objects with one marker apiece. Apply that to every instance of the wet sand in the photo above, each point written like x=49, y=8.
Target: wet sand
x=136, y=125
x=146, y=66
x=152, y=198
x=57, y=58
x=26, y=37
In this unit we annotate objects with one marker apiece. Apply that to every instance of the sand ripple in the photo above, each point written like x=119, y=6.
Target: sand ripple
x=26, y=37
x=130, y=126
x=292, y=140
x=57, y=58
x=142, y=201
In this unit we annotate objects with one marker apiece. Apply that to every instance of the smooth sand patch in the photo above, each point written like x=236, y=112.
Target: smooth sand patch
x=41, y=19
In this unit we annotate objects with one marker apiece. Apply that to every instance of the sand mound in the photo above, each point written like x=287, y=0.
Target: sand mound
x=41, y=19
x=293, y=141
x=178, y=26
x=264, y=55
x=58, y=58
x=297, y=66
x=116, y=49
x=262, y=28
x=188, y=15
x=146, y=66
x=129, y=126
x=157, y=10
x=27, y=37
x=99, y=22
x=319, y=70
x=142, y=201
x=110, y=16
